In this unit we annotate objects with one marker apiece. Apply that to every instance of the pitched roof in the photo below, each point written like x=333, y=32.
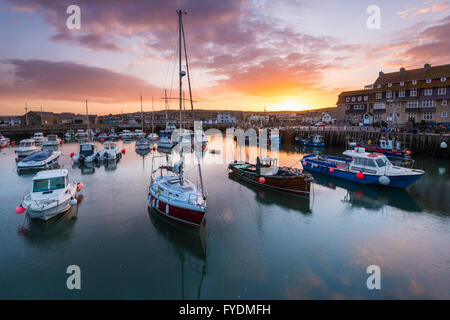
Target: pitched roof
x=415, y=74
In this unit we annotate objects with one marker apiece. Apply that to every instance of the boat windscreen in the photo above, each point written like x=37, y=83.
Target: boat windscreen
x=40, y=185
x=57, y=183
x=86, y=149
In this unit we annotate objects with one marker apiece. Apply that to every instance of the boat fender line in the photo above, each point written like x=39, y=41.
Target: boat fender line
x=167, y=208
x=384, y=180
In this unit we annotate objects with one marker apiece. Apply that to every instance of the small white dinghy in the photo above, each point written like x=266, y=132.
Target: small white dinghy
x=52, y=194
x=26, y=147
x=41, y=160
x=110, y=151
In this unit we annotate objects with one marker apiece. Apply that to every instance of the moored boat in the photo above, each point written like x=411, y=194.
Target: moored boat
x=38, y=138
x=40, y=160
x=88, y=153
x=143, y=144
x=51, y=194
x=52, y=140
x=26, y=147
x=80, y=135
x=4, y=142
x=110, y=151
x=315, y=141
x=70, y=135
x=390, y=148
x=267, y=174
x=363, y=167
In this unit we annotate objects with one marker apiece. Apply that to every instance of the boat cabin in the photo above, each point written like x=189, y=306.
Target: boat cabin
x=267, y=165
x=87, y=149
x=109, y=145
x=365, y=160
x=50, y=180
x=317, y=138
x=38, y=136
x=27, y=143
x=52, y=137
x=390, y=145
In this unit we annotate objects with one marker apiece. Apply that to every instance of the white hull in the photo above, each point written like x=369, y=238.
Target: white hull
x=47, y=214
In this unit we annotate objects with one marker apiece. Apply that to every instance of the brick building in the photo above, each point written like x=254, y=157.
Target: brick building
x=399, y=97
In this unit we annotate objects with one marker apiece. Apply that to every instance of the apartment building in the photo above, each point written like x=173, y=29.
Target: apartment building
x=399, y=97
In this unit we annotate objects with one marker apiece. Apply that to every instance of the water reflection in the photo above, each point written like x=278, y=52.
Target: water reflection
x=190, y=248
x=55, y=230
x=369, y=197
x=270, y=197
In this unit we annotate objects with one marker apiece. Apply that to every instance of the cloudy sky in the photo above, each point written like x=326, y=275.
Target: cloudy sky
x=244, y=54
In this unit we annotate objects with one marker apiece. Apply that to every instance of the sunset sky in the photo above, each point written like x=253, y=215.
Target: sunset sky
x=244, y=54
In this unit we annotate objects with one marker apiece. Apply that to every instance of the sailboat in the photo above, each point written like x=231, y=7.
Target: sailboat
x=165, y=139
x=152, y=137
x=170, y=193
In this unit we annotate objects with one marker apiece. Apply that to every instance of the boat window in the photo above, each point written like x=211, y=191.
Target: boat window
x=40, y=185
x=369, y=163
x=380, y=162
x=57, y=183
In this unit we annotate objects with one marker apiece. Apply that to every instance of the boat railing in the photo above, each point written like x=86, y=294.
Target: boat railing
x=41, y=203
x=401, y=162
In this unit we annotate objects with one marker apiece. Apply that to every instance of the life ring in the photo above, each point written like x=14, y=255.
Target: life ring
x=374, y=154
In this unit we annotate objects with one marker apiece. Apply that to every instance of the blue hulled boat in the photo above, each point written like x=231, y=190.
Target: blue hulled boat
x=363, y=167
x=315, y=141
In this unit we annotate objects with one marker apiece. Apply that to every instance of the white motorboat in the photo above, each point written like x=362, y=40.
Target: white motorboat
x=165, y=142
x=52, y=140
x=138, y=133
x=80, y=135
x=39, y=138
x=110, y=151
x=51, y=195
x=88, y=153
x=143, y=144
x=40, y=160
x=90, y=134
x=126, y=135
x=4, y=142
x=70, y=134
x=26, y=147
x=152, y=137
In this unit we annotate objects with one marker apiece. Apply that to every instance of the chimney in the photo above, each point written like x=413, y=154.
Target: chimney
x=427, y=66
x=402, y=70
x=381, y=74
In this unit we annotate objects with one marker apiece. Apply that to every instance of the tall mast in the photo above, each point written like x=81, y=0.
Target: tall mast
x=42, y=119
x=142, y=116
x=152, y=116
x=26, y=114
x=166, y=107
x=180, y=75
x=87, y=114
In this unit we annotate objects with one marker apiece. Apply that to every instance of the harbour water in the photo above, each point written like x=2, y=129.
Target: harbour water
x=255, y=243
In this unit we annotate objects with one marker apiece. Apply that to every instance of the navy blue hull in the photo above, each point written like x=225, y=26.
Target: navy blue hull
x=369, y=179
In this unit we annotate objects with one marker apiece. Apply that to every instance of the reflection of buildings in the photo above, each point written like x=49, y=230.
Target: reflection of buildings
x=370, y=197
x=190, y=246
x=271, y=197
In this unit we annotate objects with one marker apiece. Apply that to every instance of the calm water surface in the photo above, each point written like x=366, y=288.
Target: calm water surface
x=255, y=244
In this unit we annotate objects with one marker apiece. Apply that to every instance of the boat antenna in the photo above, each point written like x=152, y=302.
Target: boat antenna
x=153, y=111
x=87, y=115
x=190, y=98
x=142, y=116
x=181, y=74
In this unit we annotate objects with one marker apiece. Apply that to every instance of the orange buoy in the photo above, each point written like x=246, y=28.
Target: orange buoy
x=262, y=179
x=72, y=154
x=331, y=170
x=360, y=175
x=123, y=150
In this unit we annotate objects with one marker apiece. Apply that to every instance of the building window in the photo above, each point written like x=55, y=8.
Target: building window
x=414, y=82
x=428, y=92
x=444, y=114
x=428, y=80
x=402, y=83
x=412, y=104
x=413, y=93
x=401, y=94
x=347, y=99
x=366, y=98
x=378, y=86
x=359, y=107
x=379, y=95
x=359, y=98
x=353, y=99
x=428, y=116
x=411, y=116
x=347, y=107
x=378, y=116
x=389, y=84
x=378, y=106
x=427, y=103
x=442, y=90
x=388, y=94
x=443, y=79
x=444, y=103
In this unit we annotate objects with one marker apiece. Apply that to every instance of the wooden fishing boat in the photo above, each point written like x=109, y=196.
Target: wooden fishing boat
x=267, y=174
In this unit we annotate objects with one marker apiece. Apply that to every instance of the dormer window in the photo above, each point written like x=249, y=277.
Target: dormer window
x=378, y=86
x=428, y=80
x=353, y=99
x=359, y=98
x=389, y=84
x=366, y=98
x=414, y=82
x=443, y=79
x=347, y=99
x=402, y=83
